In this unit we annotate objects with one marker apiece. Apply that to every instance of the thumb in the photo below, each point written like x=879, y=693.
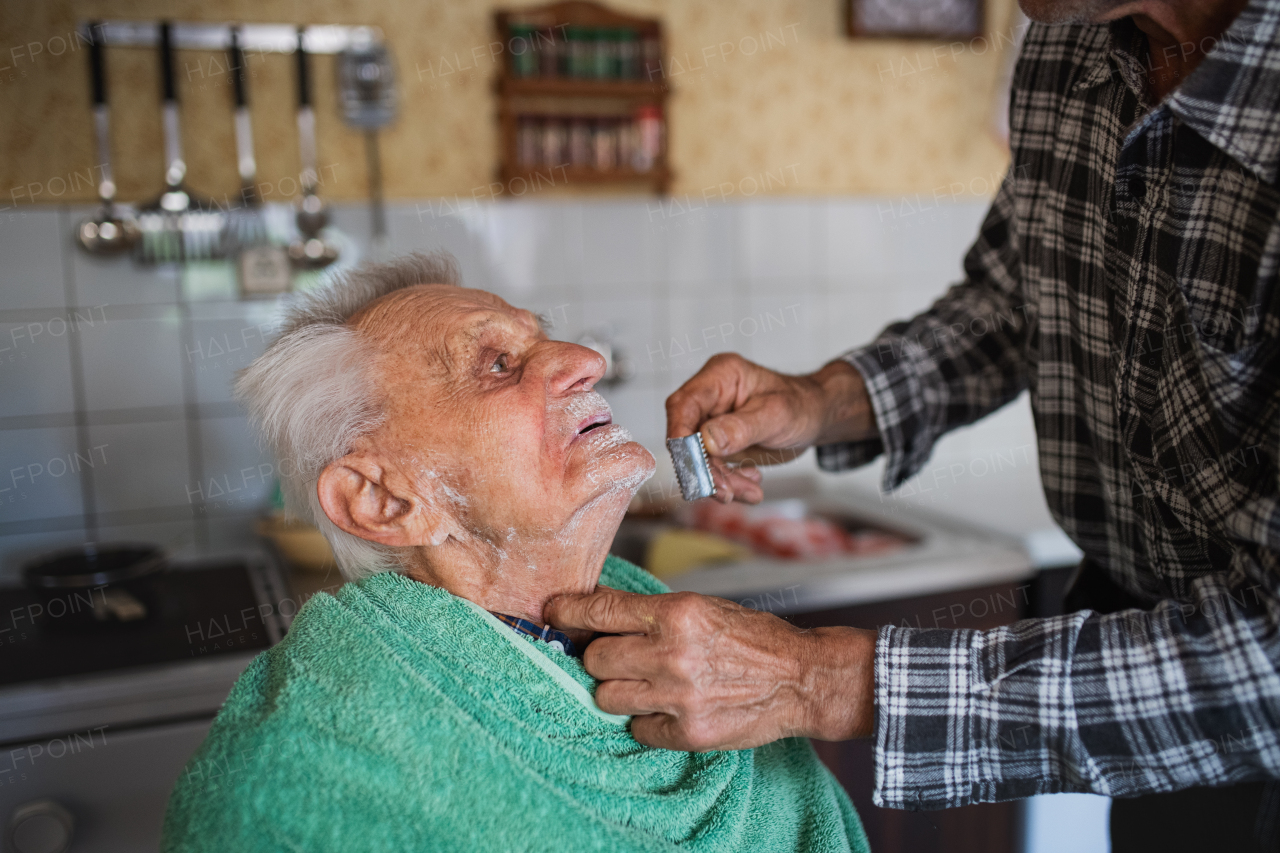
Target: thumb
x=657, y=730
x=610, y=611
x=730, y=433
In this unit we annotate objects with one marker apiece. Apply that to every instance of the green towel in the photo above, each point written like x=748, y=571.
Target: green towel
x=396, y=716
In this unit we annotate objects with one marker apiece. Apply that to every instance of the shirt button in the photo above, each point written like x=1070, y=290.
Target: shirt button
x=557, y=645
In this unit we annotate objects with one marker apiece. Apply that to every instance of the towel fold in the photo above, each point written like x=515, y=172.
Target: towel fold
x=396, y=716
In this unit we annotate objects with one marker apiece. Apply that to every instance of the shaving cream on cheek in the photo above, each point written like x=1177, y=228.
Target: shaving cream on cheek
x=447, y=503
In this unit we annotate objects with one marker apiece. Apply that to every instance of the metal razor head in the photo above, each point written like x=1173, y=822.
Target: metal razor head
x=693, y=469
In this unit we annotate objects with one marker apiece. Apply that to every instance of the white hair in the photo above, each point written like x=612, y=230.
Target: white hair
x=311, y=395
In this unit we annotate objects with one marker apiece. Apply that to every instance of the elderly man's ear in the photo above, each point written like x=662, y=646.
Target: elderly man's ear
x=365, y=499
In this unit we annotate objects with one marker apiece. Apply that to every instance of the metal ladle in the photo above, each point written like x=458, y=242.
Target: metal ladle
x=366, y=82
x=111, y=230
x=310, y=251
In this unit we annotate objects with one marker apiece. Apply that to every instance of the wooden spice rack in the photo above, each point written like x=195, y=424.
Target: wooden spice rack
x=576, y=68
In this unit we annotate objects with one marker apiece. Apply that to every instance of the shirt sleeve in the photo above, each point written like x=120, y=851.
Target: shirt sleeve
x=963, y=358
x=1130, y=703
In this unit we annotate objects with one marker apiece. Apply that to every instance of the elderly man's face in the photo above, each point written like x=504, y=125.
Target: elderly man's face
x=493, y=422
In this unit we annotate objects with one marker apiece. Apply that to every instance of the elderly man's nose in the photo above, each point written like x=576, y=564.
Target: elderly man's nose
x=574, y=368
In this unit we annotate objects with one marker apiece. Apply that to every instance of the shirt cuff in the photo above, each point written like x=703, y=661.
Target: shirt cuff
x=897, y=400
x=965, y=716
x=924, y=684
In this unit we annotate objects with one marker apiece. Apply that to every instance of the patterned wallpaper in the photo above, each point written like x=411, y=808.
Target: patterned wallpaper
x=769, y=97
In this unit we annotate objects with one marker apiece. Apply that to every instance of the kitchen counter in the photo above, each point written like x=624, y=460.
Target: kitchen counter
x=942, y=555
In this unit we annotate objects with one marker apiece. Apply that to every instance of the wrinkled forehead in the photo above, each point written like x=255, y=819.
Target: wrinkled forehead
x=442, y=318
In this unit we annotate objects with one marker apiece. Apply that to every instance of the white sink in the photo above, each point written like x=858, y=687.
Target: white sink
x=943, y=555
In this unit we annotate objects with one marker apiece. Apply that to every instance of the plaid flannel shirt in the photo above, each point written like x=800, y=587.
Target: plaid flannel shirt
x=1126, y=277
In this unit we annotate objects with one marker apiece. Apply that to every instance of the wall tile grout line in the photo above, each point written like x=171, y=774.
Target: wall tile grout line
x=111, y=417
x=117, y=311
x=120, y=518
x=191, y=410
x=88, y=499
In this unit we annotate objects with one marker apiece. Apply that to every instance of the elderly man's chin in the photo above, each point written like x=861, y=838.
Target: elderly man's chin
x=608, y=463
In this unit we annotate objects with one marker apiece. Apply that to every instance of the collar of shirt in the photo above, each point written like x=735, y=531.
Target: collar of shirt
x=1232, y=98
x=558, y=640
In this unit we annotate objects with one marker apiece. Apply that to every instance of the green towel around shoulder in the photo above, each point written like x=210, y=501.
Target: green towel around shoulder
x=396, y=716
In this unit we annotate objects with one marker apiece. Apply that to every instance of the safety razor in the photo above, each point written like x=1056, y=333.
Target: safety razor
x=693, y=469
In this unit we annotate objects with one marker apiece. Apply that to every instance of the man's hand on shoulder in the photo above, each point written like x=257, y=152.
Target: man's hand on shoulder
x=700, y=673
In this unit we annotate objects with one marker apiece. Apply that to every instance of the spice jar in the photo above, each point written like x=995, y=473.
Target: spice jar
x=628, y=54
x=528, y=142
x=649, y=132
x=580, y=143
x=626, y=144
x=606, y=145
x=524, y=60
x=555, y=139
x=549, y=50
x=605, y=55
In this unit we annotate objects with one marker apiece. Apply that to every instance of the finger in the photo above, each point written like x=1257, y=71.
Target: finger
x=734, y=483
x=607, y=610
x=745, y=489
x=627, y=698
x=727, y=434
x=630, y=657
x=770, y=418
x=720, y=479
x=660, y=730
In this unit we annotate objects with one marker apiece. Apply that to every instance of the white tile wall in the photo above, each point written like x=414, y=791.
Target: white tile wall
x=778, y=241
x=31, y=243
x=789, y=282
x=41, y=472
x=35, y=364
x=225, y=337
x=133, y=363
x=147, y=467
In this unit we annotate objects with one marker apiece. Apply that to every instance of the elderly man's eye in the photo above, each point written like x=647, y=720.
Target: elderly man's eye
x=500, y=364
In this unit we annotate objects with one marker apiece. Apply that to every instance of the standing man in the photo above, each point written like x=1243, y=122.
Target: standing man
x=1127, y=278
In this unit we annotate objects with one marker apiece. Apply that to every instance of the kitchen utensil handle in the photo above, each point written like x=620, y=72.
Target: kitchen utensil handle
x=236, y=60
x=307, y=148
x=304, y=73
x=175, y=167
x=102, y=130
x=248, y=167
x=306, y=120
x=377, y=209
x=167, y=80
x=101, y=122
x=97, y=69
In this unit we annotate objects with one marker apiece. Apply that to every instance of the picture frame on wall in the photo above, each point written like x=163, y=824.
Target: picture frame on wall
x=924, y=19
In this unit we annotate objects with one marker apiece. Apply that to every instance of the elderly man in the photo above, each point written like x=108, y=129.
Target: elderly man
x=464, y=472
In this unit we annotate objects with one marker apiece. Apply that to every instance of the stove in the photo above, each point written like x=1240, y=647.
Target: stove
x=98, y=717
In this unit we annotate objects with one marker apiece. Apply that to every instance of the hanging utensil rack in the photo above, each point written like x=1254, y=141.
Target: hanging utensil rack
x=262, y=38
x=248, y=38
